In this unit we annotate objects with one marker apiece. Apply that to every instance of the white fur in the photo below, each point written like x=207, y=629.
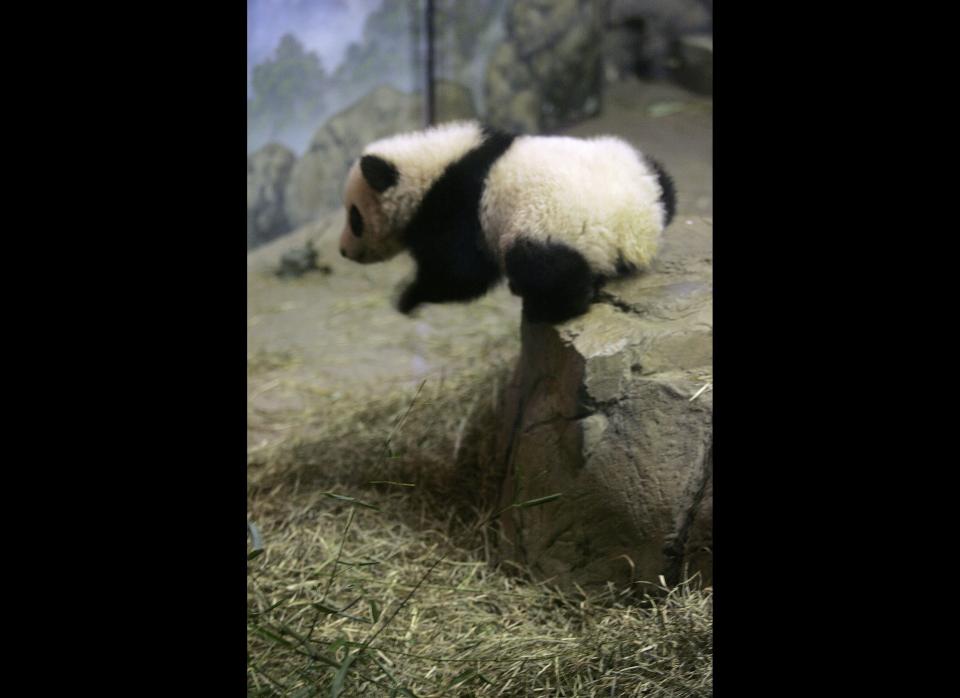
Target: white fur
x=596, y=195
x=421, y=158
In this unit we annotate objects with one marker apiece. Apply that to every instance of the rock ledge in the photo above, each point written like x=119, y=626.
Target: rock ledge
x=608, y=410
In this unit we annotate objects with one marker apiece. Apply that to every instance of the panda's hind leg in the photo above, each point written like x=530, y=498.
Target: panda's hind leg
x=554, y=280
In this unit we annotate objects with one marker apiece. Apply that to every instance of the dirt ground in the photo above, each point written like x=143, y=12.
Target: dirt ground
x=327, y=338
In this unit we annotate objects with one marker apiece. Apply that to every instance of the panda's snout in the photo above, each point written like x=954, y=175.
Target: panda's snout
x=343, y=252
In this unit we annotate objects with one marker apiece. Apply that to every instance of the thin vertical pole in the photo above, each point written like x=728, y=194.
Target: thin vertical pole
x=430, y=105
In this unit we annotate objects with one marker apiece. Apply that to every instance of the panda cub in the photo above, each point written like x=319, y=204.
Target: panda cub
x=557, y=216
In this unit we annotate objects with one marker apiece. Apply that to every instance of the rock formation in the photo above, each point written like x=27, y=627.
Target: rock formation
x=611, y=410
x=268, y=171
x=548, y=71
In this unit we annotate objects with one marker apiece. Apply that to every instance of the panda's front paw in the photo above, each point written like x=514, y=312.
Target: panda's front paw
x=407, y=307
x=408, y=301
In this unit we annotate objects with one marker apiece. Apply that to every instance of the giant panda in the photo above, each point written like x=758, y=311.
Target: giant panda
x=557, y=216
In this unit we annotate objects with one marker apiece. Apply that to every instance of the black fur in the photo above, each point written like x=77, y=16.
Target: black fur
x=669, y=198
x=454, y=262
x=380, y=174
x=555, y=280
x=356, y=221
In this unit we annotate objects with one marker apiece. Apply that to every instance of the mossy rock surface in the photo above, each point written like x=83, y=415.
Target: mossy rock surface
x=552, y=56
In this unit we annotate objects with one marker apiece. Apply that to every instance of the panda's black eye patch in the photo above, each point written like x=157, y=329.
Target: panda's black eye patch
x=356, y=221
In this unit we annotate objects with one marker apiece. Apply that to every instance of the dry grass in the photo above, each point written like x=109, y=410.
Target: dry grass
x=380, y=574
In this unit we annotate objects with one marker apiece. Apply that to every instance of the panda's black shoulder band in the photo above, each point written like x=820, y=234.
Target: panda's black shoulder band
x=445, y=237
x=495, y=142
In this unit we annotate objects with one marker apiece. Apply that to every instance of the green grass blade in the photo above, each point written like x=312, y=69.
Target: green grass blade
x=538, y=501
x=350, y=500
x=461, y=678
x=272, y=636
x=337, y=688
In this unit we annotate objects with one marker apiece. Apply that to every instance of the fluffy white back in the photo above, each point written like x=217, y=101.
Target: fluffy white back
x=597, y=195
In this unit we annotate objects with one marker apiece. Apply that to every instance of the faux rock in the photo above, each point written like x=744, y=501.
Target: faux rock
x=613, y=411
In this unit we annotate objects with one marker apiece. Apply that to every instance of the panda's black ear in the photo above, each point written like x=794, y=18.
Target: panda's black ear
x=380, y=174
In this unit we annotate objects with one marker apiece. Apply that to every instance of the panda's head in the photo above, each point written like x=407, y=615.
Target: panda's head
x=369, y=235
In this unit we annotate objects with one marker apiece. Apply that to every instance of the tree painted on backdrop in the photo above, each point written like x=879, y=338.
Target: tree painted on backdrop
x=287, y=89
